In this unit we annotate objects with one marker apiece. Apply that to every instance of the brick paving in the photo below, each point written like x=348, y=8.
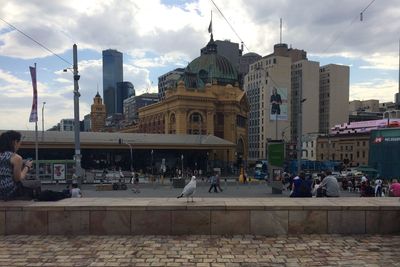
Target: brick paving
x=199, y=251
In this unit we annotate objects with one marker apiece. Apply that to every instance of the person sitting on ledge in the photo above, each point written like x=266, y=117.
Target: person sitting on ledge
x=301, y=186
x=13, y=170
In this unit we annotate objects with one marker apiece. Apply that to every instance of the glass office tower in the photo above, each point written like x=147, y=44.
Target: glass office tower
x=112, y=74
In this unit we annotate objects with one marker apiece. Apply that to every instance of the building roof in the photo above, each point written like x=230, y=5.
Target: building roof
x=55, y=137
x=210, y=67
x=251, y=54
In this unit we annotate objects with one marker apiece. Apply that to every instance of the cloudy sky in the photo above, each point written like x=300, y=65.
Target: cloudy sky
x=157, y=36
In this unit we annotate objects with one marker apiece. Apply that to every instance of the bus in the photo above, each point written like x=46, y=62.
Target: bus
x=261, y=170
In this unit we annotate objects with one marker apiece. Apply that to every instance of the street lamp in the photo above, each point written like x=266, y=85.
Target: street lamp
x=130, y=147
x=208, y=154
x=44, y=103
x=299, y=133
x=152, y=167
x=182, y=164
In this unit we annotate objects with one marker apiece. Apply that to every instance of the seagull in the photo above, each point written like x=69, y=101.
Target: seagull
x=189, y=189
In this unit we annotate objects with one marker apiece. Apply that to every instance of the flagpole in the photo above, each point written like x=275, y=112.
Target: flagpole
x=36, y=143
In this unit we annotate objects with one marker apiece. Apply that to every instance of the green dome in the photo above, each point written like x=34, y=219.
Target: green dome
x=210, y=67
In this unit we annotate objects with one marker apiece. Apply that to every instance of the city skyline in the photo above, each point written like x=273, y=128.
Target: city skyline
x=159, y=36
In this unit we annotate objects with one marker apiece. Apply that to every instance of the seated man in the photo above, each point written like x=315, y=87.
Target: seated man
x=331, y=185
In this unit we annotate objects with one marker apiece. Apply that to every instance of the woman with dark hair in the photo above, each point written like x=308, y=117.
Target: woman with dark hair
x=12, y=168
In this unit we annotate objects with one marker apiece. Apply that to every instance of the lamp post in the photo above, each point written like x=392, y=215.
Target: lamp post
x=276, y=126
x=44, y=103
x=299, y=134
x=182, y=163
x=207, y=163
x=152, y=167
x=130, y=148
x=77, y=156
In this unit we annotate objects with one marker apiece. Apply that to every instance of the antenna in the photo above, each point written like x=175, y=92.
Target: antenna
x=280, y=36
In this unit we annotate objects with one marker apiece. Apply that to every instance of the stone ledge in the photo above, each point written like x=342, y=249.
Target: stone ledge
x=170, y=216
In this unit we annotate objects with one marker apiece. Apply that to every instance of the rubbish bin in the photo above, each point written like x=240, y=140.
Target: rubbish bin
x=178, y=183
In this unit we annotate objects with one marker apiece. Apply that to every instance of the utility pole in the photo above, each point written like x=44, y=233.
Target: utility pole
x=44, y=103
x=299, y=127
x=77, y=156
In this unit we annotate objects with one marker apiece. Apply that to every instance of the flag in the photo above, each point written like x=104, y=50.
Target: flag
x=210, y=27
x=34, y=116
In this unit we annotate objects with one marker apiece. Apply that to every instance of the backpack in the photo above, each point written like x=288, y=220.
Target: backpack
x=49, y=195
x=304, y=189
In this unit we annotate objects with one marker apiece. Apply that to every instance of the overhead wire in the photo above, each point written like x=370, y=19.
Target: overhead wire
x=219, y=10
x=37, y=42
x=359, y=16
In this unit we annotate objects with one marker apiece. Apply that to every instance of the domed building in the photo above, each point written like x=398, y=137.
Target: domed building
x=207, y=100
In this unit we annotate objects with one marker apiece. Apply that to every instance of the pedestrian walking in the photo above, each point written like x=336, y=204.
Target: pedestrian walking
x=135, y=188
x=213, y=181
x=378, y=187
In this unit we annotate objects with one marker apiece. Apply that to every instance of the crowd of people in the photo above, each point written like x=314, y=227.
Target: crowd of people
x=14, y=185
x=327, y=185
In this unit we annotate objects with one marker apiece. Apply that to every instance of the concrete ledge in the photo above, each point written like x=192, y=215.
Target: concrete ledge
x=216, y=216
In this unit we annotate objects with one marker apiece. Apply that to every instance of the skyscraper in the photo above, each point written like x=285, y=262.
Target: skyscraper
x=268, y=89
x=112, y=74
x=168, y=80
x=124, y=90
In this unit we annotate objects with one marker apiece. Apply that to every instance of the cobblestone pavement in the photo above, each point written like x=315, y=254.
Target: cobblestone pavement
x=314, y=250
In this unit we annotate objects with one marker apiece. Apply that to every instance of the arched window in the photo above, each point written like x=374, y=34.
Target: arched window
x=196, y=124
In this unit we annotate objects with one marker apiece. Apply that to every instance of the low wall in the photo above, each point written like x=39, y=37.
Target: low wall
x=208, y=216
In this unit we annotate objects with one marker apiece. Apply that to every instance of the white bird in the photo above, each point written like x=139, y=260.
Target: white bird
x=189, y=189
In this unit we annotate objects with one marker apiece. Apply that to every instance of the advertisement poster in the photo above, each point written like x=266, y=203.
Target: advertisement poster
x=278, y=104
x=59, y=171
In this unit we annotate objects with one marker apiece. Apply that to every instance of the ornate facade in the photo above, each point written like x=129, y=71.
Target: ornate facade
x=206, y=101
x=97, y=114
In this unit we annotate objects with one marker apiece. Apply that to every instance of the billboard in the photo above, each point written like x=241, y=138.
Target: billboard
x=276, y=154
x=59, y=171
x=278, y=104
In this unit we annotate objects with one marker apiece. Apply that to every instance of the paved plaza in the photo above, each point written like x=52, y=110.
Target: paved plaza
x=230, y=189
x=312, y=250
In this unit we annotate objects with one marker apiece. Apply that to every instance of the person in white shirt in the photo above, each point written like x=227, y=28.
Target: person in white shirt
x=364, y=179
x=378, y=187
x=75, y=191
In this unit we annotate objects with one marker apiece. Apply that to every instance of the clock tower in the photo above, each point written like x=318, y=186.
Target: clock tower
x=98, y=114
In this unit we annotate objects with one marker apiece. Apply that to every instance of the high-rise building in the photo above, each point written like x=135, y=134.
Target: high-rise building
x=97, y=114
x=228, y=50
x=124, y=90
x=87, y=123
x=168, y=80
x=305, y=87
x=133, y=103
x=112, y=74
x=268, y=89
x=244, y=63
x=333, y=96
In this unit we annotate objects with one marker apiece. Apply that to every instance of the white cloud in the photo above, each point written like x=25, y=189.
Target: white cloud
x=173, y=58
x=383, y=90
x=379, y=61
x=153, y=36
